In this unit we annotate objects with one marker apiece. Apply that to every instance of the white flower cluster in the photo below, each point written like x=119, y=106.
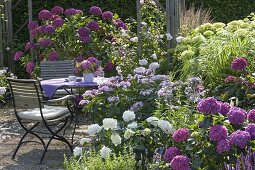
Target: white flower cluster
x=85, y=140
x=166, y=126
x=2, y=90
x=109, y=123
x=105, y=152
x=94, y=129
x=134, y=39
x=152, y=120
x=116, y=139
x=2, y=72
x=128, y=134
x=128, y=116
x=154, y=66
x=143, y=62
x=77, y=151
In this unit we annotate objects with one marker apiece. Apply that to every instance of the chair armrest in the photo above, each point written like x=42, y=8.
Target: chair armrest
x=67, y=97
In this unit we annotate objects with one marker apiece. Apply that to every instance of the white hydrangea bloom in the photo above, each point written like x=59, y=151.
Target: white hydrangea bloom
x=116, y=139
x=154, y=66
x=154, y=56
x=169, y=36
x=123, y=32
x=146, y=132
x=2, y=72
x=128, y=134
x=77, y=151
x=94, y=129
x=152, y=120
x=2, y=90
x=179, y=39
x=132, y=125
x=109, y=123
x=166, y=126
x=143, y=62
x=85, y=140
x=105, y=152
x=134, y=39
x=128, y=116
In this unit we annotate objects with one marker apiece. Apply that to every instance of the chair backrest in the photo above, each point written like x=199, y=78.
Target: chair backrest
x=56, y=69
x=26, y=93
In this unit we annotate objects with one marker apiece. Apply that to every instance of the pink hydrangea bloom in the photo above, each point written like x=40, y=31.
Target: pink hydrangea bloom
x=18, y=55
x=94, y=10
x=239, y=64
x=107, y=15
x=240, y=138
x=181, y=135
x=170, y=153
x=57, y=10
x=208, y=106
x=223, y=146
x=218, y=132
x=180, y=162
x=236, y=115
x=44, y=14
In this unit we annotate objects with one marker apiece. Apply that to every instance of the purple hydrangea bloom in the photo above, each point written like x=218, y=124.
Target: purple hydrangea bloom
x=53, y=56
x=107, y=15
x=32, y=25
x=83, y=102
x=30, y=67
x=57, y=10
x=239, y=64
x=124, y=84
x=70, y=12
x=49, y=29
x=113, y=99
x=251, y=129
x=79, y=58
x=93, y=25
x=44, y=15
x=251, y=115
x=109, y=66
x=29, y=45
x=93, y=60
x=224, y=108
x=78, y=11
x=208, y=106
x=218, y=132
x=180, y=162
x=85, y=39
x=59, y=22
x=83, y=31
x=18, y=55
x=45, y=42
x=170, y=153
x=120, y=24
x=94, y=10
x=86, y=65
x=181, y=135
x=136, y=106
x=223, y=146
x=240, y=138
x=236, y=115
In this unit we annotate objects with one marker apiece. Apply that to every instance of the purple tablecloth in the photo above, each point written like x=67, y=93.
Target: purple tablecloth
x=52, y=85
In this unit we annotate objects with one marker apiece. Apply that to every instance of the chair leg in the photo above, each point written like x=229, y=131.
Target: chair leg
x=45, y=149
x=61, y=138
x=19, y=144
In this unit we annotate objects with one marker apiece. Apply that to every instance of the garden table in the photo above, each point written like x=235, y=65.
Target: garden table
x=50, y=86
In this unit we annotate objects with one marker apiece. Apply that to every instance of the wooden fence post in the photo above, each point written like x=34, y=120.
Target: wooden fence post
x=1, y=37
x=139, y=27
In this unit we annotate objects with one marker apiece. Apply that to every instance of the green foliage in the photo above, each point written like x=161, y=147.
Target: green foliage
x=227, y=10
x=93, y=161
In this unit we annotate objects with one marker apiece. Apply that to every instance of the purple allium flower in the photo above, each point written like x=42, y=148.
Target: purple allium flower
x=29, y=45
x=230, y=79
x=83, y=31
x=236, y=115
x=223, y=146
x=85, y=39
x=41, y=57
x=86, y=65
x=239, y=63
x=44, y=14
x=49, y=29
x=218, y=132
x=251, y=129
x=109, y=66
x=45, y=42
x=18, y=55
x=93, y=60
x=93, y=25
x=70, y=12
x=251, y=115
x=57, y=10
x=53, y=56
x=136, y=106
x=180, y=162
x=208, y=106
x=224, y=108
x=59, y=22
x=83, y=102
x=79, y=58
x=94, y=10
x=30, y=67
x=120, y=24
x=107, y=15
x=181, y=135
x=170, y=153
x=32, y=25
x=240, y=138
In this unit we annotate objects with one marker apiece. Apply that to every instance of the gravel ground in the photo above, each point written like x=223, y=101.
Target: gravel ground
x=29, y=154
